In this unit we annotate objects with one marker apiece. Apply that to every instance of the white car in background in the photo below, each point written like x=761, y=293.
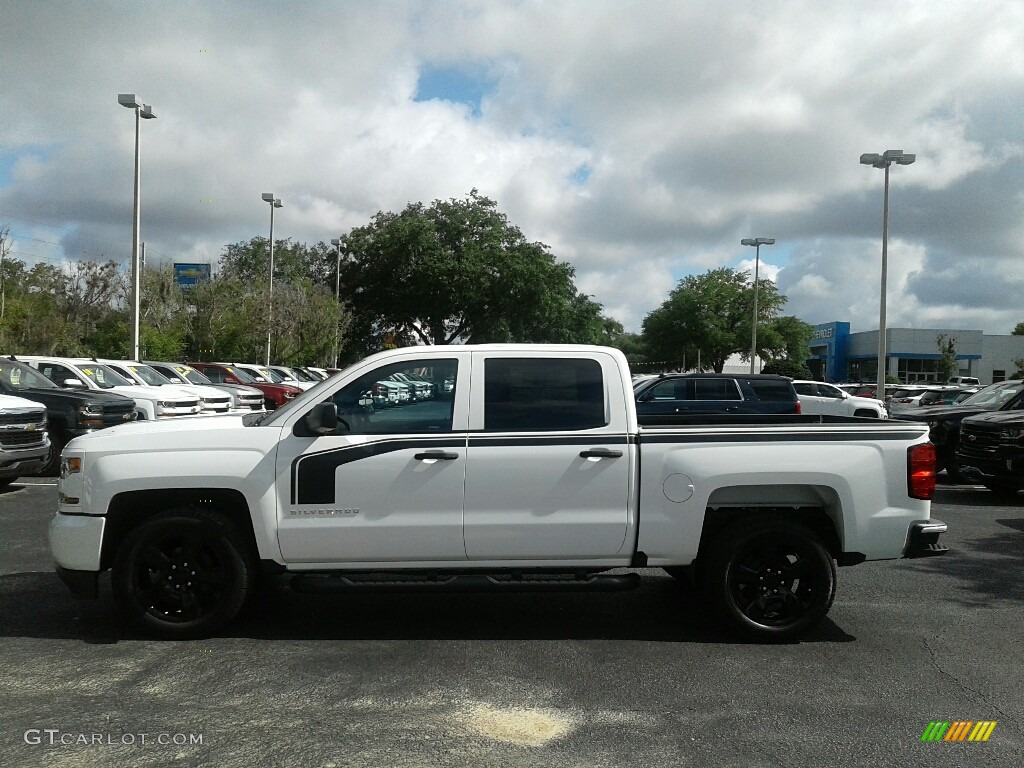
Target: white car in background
x=150, y=402
x=817, y=397
x=213, y=400
x=243, y=398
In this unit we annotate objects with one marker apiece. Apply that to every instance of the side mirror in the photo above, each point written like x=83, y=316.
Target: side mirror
x=73, y=384
x=322, y=418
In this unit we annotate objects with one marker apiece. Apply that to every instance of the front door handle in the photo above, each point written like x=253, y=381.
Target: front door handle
x=435, y=456
x=600, y=453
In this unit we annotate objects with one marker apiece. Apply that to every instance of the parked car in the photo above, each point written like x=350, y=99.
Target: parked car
x=243, y=398
x=944, y=420
x=909, y=396
x=965, y=381
x=286, y=375
x=212, y=400
x=946, y=396
x=274, y=395
x=24, y=445
x=150, y=402
x=684, y=393
x=69, y=412
x=817, y=397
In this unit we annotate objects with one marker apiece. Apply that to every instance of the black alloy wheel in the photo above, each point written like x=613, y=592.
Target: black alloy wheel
x=182, y=574
x=770, y=579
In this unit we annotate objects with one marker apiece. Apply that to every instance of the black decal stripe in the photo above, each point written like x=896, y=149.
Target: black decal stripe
x=313, y=473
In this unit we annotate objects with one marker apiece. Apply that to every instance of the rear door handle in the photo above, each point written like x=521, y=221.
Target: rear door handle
x=600, y=453
x=435, y=456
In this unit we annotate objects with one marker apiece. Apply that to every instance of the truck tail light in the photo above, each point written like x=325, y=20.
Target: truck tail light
x=799, y=407
x=921, y=471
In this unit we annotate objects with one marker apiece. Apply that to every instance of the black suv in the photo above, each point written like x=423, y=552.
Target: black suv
x=684, y=393
x=69, y=412
x=944, y=420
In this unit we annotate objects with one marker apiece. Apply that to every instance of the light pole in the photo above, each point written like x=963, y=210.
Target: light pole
x=884, y=160
x=337, y=241
x=142, y=112
x=268, y=197
x=757, y=242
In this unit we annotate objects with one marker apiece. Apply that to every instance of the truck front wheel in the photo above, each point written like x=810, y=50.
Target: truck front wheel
x=182, y=574
x=770, y=579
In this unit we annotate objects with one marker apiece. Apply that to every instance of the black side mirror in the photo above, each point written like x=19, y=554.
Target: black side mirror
x=322, y=418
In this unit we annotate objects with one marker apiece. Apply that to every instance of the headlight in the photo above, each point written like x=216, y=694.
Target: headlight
x=934, y=424
x=1014, y=433
x=92, y=409
x=70, y=465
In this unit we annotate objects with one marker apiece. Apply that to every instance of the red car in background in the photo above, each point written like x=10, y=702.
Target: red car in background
x=275, y=395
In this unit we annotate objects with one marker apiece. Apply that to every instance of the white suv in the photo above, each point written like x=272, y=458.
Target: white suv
x=150, y=402
x=817, y=397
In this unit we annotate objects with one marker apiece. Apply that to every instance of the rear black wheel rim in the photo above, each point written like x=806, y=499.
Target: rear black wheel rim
x=180, y=578
x=775, y=583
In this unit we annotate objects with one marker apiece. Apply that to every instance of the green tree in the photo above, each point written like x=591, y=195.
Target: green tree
x=947, y=367
x=459, y=270
x=709, y=316
x=1019, y=329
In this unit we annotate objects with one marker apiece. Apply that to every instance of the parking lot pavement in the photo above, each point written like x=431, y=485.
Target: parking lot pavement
x=639, y=678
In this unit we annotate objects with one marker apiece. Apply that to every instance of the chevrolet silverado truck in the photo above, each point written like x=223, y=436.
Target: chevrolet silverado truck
x=991, y=450
x=24, y=444
x=526, y=469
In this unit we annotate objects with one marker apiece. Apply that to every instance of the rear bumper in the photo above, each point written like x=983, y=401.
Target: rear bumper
x=923, y=539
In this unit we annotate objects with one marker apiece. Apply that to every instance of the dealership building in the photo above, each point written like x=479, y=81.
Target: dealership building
x=912, y=354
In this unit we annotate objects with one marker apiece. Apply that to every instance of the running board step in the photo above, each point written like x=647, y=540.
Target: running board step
x=402, y=582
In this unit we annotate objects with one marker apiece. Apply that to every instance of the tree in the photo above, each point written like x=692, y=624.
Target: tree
x=1019, y=329
x=948, y=366
x=458, y=270
x=711, y=314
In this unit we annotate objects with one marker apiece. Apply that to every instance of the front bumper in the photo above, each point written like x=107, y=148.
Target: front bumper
x=923, y=539
x=76, y=541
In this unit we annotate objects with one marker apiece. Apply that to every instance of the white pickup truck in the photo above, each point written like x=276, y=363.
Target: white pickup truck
x=524, y=468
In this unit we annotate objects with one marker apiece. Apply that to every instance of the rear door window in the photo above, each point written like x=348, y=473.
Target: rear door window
x=543, y=394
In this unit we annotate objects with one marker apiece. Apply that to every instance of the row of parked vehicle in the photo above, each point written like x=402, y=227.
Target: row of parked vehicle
x=45, y=401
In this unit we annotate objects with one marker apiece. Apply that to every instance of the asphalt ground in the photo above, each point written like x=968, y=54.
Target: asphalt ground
x=639, y=678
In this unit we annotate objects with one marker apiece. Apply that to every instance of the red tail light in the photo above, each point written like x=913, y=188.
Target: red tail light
x=921, y=471
x=799, y=407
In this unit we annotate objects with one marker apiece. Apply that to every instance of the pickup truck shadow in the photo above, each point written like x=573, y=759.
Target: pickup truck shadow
x=660, y=610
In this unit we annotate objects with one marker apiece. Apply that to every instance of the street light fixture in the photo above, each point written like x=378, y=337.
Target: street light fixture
x=268, y=197
x=142, y=112
x=884, y=160
x=337, y=241
x=757, y=242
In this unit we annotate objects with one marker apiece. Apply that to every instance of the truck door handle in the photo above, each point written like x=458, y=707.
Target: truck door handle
x=435, y=455
x=600, y=453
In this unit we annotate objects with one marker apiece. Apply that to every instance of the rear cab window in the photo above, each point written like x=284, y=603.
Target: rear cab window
x=543, y=394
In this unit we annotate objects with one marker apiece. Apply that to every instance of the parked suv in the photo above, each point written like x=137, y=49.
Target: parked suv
x=944, y=420
x=275, y=395
x=715, y=393
x=243, y=398
x=991, y=449
x=69, y=412
x=817, y=397
x=211, y=400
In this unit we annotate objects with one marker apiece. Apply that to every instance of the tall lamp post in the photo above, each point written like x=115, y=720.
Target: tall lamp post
x=275, y=202
x=884, y=160
x=337, y=241
x=142, y=112
x=757, y=242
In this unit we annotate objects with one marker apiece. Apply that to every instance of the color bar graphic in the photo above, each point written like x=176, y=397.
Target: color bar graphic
x=958, y=730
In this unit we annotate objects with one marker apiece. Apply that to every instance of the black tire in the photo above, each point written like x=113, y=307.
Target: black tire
x=51, y=467
x=182, y=574
x=770, y=579
x=1003, y=491
x=952, y=464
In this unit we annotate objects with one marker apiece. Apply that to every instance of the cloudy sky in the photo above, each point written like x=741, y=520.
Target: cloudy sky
x=639, y=140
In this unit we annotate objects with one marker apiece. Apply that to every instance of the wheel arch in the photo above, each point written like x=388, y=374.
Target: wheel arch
x=822, y=519
x=129, y=509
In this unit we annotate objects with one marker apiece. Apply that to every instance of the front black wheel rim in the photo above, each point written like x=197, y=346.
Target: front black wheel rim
x=180, y=578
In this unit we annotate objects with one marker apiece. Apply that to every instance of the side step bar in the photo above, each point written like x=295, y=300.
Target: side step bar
x=326, y=583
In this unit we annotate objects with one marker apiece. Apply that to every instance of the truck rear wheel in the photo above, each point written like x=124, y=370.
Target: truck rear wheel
x=182, y=574
x=770, y=579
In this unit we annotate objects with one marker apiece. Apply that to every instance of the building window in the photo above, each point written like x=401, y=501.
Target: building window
x=998, y=376
x=915, y=369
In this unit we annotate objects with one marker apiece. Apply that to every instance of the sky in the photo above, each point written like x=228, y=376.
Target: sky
x=641, y=141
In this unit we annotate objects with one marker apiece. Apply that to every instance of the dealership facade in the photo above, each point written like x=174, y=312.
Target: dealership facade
x=912, y=354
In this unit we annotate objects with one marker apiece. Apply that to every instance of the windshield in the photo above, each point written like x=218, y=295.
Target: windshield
x=192, y=375
x=994, y=396
x=148, y=375
x=104, y=377
x=271, y=375
x=20, y=376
